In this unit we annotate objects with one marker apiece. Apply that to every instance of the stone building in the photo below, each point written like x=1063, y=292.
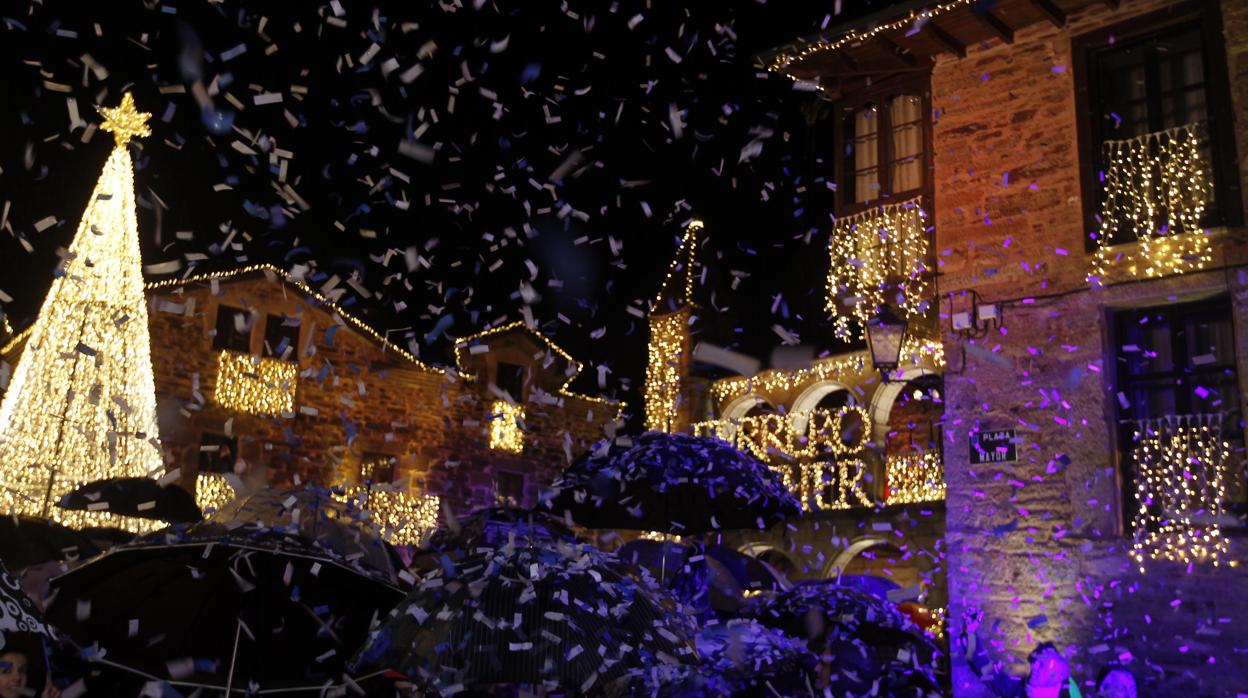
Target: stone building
x=260, y=375
x=1077, y=164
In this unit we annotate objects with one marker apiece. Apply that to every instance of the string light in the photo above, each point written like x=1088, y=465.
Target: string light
x=878, y=257
x=304, y=288
x=809, y=438
x=213, y=491
x=1181, y=489
x=81, y=405
x=1157, y=187
x=665, y=354
x=783, y=60
x=686, y=251
x=505, y=433
x=463, y=345
x=256, y=385
x=845, y=368
x=915, y=477
x=404, y=518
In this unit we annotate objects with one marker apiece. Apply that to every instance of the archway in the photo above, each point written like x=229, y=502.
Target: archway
x=878, y=557
x=884, y=397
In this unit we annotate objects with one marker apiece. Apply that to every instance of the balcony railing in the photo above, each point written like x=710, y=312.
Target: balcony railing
x=1182, y=465
x=1156, y=189
x=881, y=255
x=256, y=385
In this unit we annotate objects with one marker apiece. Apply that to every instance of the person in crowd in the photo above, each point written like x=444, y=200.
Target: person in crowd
x=1048, y=673
x=18, y=672
x=1116, y=681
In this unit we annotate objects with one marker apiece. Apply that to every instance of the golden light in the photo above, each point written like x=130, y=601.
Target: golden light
x=505, y=433
x=669, y=343
x=255, y=385
x=81, y=405
x=404, y=518
x=213, y=491
x=916, y=477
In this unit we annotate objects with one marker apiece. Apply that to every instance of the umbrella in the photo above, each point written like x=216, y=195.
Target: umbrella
x=730, y=575
x=26, y=541
x=490, y=527
x=22, y=630
x=673, y=483
x=141, y=497
x=227, y=604
x=560, y=615
x=869, y=639
x=316, y=516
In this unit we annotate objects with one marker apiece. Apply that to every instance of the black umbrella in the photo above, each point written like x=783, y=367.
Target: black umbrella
x=319, y=517
x=869, y=639
x=141, y=497
x=221, y=605
x=744, y=659
x=731, y=576
x=674, y=483
x=490, y=527
x=521, y=614
x=22, y=630
x=26, y=541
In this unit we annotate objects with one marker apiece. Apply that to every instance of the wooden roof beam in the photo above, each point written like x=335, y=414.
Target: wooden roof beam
x=1001, y=29
x=1111, y=4
x=895, y=50
x=1051, y=12
x=948, y=40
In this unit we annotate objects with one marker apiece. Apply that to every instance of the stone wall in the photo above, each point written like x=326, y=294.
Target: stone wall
x=1039, y=545
x=357, y=398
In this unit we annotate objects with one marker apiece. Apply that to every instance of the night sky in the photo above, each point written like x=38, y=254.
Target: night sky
x=459, y=160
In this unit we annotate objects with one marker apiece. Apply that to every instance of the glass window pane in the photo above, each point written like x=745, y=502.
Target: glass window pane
x=866, y=154
x=906, y=115
x=1146, y=346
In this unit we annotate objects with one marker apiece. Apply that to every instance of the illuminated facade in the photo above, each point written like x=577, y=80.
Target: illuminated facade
x=1081, y=168
x=260, y=375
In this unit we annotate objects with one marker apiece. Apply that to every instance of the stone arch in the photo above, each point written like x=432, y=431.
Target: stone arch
x=884, y=397
x=809, y=399
x=741, y=406
x=774, y=556
x=843, y=558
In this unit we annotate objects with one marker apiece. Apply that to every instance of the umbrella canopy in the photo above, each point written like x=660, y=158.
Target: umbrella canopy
x=18, y=614
x=673, y=483
x=314, y=515
x=491, y=527
x=730, y=574
x=869, y=639
x=219, y=606
x=141, y=497
x=26, y=541
x=520, y=614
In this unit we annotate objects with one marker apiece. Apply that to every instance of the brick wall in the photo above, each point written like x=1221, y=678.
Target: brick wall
x=1038, y=544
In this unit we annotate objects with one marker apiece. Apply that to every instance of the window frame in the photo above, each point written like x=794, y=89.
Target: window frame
x=212, y=438
x=879, y=94
x=217, y=342
x=522, y=375
x=1122, y=420
x=1204, y=15
x=275, y=327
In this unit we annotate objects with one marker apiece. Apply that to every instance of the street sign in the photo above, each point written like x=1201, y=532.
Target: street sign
x=993, y=447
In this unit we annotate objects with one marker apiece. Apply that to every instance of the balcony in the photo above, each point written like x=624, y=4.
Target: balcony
x=1156, y=190
x=255, y=385
x=1182, y=466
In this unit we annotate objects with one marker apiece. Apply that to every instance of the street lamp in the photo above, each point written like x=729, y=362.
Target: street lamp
x=885, y=334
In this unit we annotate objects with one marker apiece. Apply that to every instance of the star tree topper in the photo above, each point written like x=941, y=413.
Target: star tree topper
x=125, y=121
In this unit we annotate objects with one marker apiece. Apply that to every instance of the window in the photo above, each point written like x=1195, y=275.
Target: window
x=882, y=141
x=510, y=488
x=217, y=453
x=1175, y=361
x=510, y=378
x=1146, y=76
x=377, y=468
x=233, y=329
x=281, y=337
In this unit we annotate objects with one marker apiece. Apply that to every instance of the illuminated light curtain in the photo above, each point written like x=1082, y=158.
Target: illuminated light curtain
x=81, y=405
x=879, y=255
x=402, y=518
x=1181, y=479
x=1157, y=187
x=250, y=384
x=906, y=116
x=669, y=342
x=916, y=477
x=866, y=155
x=213, y=491
x=505, y=432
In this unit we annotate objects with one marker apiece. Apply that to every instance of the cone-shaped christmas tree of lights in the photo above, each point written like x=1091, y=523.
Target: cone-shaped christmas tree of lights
x=81, y=405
